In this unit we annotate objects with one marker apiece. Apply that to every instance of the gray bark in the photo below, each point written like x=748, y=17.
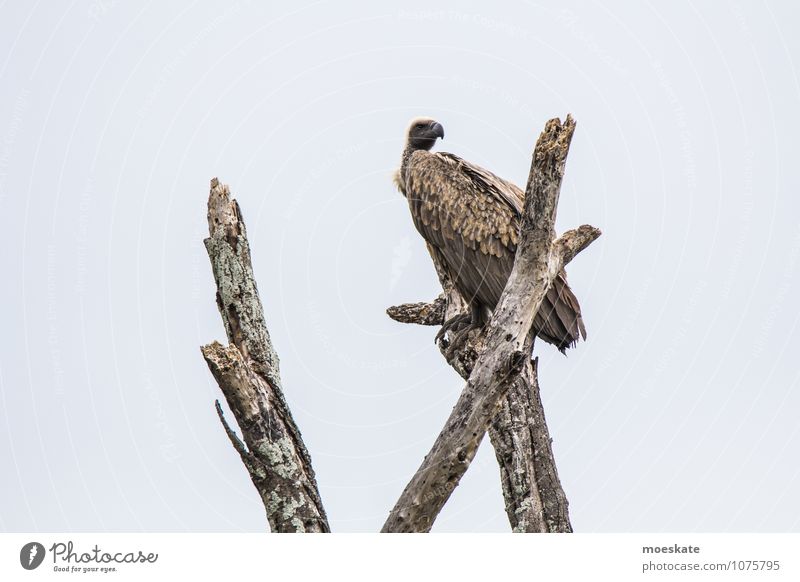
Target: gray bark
x=501, y=377
x=420, y=313
x=247, y=371
x=534, y=498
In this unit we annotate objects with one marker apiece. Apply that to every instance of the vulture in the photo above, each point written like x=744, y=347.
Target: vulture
x=470, y=219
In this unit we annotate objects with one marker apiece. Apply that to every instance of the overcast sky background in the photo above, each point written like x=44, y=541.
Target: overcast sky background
x=680, y=412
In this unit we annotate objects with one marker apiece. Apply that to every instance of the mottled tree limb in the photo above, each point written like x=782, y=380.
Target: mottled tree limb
x=511, y=437
x=500, y=374
x=534, y=499
x=247, y=371
x=420, y=313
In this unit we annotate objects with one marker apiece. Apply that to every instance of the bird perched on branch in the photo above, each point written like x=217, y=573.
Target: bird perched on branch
x=470, y=219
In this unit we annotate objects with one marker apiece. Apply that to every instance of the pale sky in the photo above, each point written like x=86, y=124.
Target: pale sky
x=680, y=411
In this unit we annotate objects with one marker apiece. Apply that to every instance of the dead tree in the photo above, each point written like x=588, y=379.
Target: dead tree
x=535, y=502
x=248, y=374
x=501, y=394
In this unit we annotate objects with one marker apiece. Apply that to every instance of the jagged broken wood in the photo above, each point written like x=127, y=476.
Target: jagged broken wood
x=247, y=371
x=497, y=359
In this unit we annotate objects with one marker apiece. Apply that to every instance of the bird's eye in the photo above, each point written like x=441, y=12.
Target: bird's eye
x=420, y=125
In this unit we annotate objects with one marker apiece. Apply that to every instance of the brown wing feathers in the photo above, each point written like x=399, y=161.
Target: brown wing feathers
x=472, y=217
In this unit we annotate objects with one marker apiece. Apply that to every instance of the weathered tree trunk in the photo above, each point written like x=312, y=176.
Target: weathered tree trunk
x=248, y=374
x=510, y=435
x=535, y=501
x=496, y=362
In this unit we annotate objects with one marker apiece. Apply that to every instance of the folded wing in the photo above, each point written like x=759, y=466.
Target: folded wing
x=471, y=217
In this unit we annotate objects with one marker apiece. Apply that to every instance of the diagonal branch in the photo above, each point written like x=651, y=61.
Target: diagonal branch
x=534, y=498
x=504, y=347
x=247, y=372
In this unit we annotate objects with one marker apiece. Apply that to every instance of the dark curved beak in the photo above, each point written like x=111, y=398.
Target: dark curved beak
x=437, y=129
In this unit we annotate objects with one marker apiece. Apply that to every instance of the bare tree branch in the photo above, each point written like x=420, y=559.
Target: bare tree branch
x=534, y=498
x=501, y=351
x=420, y=313
x=248, y=374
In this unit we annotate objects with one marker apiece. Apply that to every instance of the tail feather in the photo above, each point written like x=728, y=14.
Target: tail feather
x=559, y=320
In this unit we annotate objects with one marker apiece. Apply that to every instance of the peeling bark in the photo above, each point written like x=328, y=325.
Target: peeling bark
x=501, y=377
x=247, y=371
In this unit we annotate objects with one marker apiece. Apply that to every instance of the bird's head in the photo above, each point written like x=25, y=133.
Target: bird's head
x=423, y=132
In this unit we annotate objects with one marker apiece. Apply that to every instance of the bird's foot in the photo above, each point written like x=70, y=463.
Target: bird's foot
x=454, y=325
x=459, y=340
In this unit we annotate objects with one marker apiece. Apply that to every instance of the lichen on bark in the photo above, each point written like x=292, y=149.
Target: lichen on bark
x=248, y=374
